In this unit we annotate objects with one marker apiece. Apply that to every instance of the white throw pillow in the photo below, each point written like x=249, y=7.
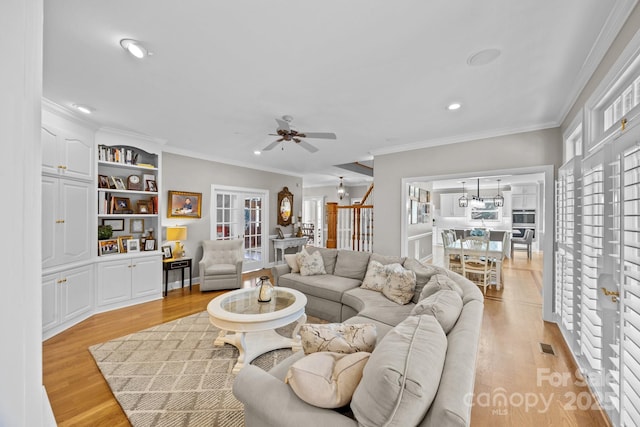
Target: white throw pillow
x=400, y=284
x=310, y=264
x=292, y=261
x=444, y=305
x=338, y=337
x=375, y=278
x=327, y=379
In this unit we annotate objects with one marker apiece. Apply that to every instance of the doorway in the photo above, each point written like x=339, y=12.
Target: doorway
x=313, y=213
x=240, y=213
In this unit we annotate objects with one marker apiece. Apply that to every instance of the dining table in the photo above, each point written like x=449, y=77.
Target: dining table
x=478, y=249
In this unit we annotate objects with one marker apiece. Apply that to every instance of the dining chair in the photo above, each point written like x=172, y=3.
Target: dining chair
x=523, y=243
x=448, y=239
x=476, y=265
x=494, y=262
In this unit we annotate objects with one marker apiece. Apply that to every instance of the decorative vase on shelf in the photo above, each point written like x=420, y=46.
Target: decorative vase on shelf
x=265, y=289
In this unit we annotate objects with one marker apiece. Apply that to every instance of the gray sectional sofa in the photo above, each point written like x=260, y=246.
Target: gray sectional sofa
x=338, y=297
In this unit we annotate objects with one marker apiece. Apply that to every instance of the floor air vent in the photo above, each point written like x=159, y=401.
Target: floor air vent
x=547, y=349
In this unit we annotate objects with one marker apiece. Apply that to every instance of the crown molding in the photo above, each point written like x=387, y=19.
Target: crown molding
x=614, y=23
x=68, y=114
x=198, y=155
x=131, y=134
x=462, y=138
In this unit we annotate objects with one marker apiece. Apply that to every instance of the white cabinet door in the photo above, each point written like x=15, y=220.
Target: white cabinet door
x=529, y=201
x=66, y=230
x=76, y=292
x=114, y=281
x=146, y=276
x=50, y=303
x=66, y=154
x=517, y=201
x=446, y=208
x=74, y=210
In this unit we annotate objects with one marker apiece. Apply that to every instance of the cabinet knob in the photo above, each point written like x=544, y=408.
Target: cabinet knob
x=63, y=167
x=59, y=221
x=133, y=265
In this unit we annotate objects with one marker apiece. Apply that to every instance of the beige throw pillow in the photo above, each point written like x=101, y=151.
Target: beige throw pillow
x=327, y=379
x=310, y=264
x=292, y=261
x=424, y=273
x=400, y=284
x=444, y=305
x=338, y=337
x=375, y=278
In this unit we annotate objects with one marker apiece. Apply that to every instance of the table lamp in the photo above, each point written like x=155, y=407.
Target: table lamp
x=176, y=234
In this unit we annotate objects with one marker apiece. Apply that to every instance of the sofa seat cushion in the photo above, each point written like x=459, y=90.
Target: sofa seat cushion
x=325, y=286
x=444, y=305
x=220, y=269
x=338, y=337
x=402, y=376
x=351, y=264
x=374, y=305
x=327, y=379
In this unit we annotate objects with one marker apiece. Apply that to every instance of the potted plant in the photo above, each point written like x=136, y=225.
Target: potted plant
x=105, y=232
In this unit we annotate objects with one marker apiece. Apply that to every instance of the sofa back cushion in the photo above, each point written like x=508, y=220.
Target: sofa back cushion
x=351, y=264
x=402, y=375
x=444, y=305
x=387, y=259
x=439, y=282
x=424, y=273
x=328, y=257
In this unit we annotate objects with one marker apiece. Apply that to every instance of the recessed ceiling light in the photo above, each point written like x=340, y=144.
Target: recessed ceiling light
x=483, y=57
x=134, y=48
x=257, y=152
x=83, y=108
x=454, y=106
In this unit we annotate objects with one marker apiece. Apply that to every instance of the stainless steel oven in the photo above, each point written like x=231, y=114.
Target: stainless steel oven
x=523, y=218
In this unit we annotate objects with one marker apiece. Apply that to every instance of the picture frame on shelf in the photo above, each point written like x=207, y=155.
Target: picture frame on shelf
x=133, y=245
x=117, y=224
x=184, y=204
x=103, y=181
x=150, y=245
x=143, y=207
x=151, y=186
x=122, y=205
x=118, y=183
x=414, y=212
x=148, y=177
x=280, y=233
x=166, y=252
x=108, y=247
x=136, y=225
x=122, y=243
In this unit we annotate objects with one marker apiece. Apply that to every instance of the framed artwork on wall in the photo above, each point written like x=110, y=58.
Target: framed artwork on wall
x=183, y=204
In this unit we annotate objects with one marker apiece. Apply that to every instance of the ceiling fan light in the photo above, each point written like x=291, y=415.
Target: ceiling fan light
x=134, y=48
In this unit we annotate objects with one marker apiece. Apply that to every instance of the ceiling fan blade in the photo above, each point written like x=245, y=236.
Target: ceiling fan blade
x=323, y=135
x=310, y=148
x=272, y=145
x=283, y=125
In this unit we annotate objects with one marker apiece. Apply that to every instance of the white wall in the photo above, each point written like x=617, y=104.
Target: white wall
x=331, y=193
x=521, y=150
x=21, y=392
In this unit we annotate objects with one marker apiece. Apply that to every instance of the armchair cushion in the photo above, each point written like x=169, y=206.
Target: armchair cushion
x=220, y=269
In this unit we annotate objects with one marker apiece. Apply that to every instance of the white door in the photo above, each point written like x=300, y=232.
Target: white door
x=241, y=213
x=313, y=212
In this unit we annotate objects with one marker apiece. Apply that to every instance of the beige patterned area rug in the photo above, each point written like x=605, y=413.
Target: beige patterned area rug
x=172, y=375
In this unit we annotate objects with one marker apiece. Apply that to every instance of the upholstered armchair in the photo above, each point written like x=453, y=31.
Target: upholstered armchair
x=221, y=265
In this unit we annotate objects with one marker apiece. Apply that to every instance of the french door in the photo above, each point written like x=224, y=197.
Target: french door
x=241, y=213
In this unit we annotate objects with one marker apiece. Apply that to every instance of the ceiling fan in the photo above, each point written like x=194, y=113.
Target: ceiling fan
x=286, y=133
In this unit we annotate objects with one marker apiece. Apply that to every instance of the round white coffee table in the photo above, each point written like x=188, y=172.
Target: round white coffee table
x=250, y=325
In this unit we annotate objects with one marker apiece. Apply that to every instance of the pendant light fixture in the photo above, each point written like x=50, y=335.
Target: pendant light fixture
x=341, y=190
x=476, y=201
x=463, y=202
x=498, y=201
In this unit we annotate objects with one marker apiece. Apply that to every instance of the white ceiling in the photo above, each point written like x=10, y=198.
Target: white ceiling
x=377, y=73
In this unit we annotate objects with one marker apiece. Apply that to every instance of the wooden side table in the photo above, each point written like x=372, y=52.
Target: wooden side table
x=176, y=264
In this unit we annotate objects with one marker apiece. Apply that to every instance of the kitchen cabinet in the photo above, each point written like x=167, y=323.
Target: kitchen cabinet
x=449, y=206
x=66, y=154
x=524, y=197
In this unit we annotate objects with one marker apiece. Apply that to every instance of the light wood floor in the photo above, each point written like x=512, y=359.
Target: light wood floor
x=508, y=362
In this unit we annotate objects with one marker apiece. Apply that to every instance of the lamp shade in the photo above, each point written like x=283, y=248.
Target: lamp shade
x=176, y=233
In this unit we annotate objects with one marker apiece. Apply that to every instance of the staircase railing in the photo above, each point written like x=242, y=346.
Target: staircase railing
x=350, y=227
